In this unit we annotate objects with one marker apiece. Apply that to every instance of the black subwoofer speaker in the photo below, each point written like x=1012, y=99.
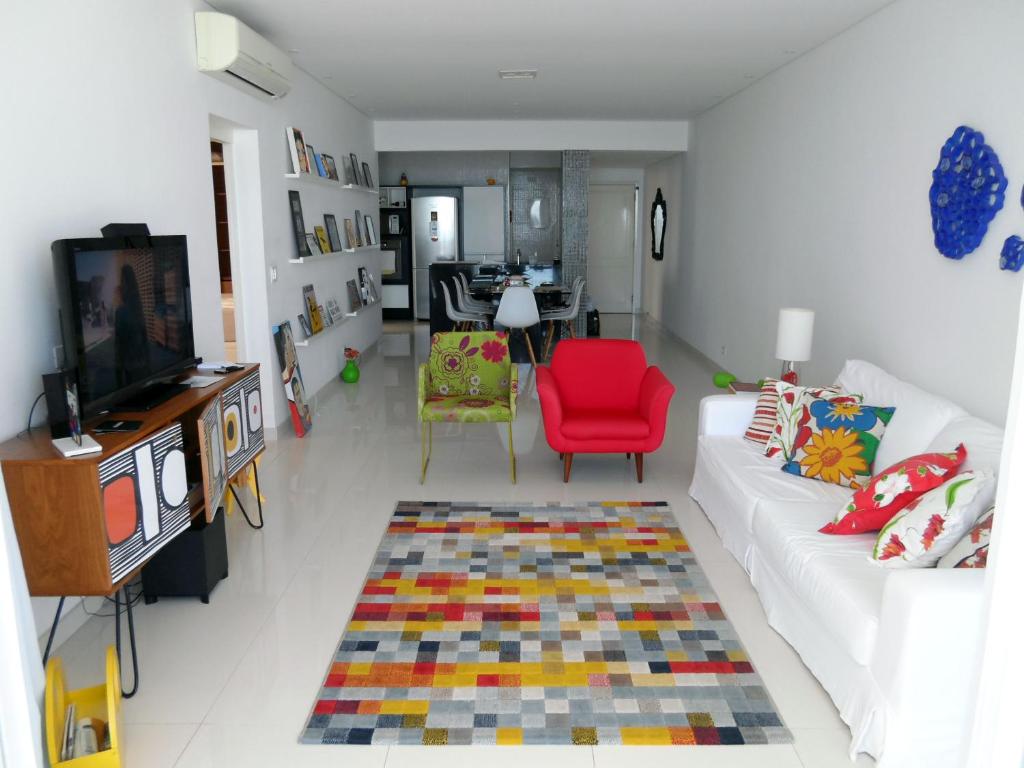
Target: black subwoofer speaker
x=191, y=565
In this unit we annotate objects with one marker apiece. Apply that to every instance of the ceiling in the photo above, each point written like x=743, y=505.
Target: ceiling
x=596, y=59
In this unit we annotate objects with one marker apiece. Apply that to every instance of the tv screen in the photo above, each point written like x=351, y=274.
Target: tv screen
x=126, y=314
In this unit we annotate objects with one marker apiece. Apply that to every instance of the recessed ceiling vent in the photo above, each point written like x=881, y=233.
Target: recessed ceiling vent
x=517, y=74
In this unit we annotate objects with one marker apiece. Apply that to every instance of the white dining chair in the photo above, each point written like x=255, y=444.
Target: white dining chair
x=567, y=314
x=517, y=311
x=467, y=303
x=464, y=319
x=466, y=299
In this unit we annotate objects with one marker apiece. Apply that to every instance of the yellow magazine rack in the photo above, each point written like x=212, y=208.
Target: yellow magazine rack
x=99, y=701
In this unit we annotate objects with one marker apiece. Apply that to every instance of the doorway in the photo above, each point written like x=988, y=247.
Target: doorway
x=611, y=246
x=227, y=293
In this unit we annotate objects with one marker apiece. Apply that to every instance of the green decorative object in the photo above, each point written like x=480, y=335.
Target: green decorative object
x=350, y=373
x=723, y=379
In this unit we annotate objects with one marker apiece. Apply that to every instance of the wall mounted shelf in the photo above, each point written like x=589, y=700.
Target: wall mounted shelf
x=305, y=342
x=314, y=178
x=319, y=256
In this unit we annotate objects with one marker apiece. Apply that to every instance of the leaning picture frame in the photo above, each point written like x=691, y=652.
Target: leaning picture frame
x=298, y=226
x=312, y=244
x=367, y=177
x=371, y=234
x=332, y=231
x=349, y=171
x=357, y=180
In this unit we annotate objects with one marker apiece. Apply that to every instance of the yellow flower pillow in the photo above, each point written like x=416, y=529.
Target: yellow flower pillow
x=837, y=441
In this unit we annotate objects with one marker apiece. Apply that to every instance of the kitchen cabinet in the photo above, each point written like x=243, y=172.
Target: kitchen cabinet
x=484, y=213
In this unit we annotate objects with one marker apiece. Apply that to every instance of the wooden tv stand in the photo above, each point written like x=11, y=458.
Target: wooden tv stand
x=72, y=540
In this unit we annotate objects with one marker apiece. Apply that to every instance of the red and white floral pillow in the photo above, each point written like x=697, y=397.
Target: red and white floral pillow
x=972, y=550
x=933, y=524
x=793, y=416
x=891, y=490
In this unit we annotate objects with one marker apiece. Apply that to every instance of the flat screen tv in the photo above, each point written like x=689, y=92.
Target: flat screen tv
x=126, y=315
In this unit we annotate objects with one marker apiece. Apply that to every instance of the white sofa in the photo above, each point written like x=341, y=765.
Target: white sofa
x=895, y=649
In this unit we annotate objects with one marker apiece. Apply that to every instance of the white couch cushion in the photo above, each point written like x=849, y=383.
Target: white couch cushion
x=832, y=575
x=919, y=415
x=984, y=442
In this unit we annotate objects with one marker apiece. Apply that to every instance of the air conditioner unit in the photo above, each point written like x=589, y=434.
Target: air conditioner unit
x=230, y=51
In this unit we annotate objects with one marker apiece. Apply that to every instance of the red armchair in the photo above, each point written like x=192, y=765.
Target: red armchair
x=600, y=396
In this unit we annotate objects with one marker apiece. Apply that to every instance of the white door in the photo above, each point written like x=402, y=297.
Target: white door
x=610, y=246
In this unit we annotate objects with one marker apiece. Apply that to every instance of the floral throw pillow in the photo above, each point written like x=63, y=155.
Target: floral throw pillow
x=972, y=550
x=931, y=525
x=889, y=491
x=838, y=442
x=792, y=416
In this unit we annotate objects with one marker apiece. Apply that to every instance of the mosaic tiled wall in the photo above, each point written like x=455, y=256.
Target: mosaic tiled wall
x=575, y=181
x=537, y=244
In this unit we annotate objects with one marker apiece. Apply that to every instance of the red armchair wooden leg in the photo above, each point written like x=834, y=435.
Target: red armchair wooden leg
x=639, y=467
x=629, y=456
x=566, y=467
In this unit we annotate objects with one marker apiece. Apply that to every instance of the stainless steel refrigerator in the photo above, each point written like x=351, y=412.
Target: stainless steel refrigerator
x=435, y=237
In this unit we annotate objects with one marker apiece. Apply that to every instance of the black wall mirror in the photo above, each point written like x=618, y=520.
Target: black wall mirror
x=658, y=215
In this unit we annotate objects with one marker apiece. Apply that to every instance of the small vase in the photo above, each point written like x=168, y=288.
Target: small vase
x=350, y=373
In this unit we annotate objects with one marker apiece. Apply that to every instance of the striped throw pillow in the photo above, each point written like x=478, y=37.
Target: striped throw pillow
x=763, y=424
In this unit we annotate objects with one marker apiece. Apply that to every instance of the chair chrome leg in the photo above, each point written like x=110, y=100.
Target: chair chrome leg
x=511, y=455
x=427, y=445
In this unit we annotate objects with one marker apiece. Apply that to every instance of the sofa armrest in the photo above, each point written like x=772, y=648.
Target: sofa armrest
x=550, y=406
x=926, y=657
x=726, y=414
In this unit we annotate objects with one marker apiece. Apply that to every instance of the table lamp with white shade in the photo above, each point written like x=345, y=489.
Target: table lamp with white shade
x=793, y=342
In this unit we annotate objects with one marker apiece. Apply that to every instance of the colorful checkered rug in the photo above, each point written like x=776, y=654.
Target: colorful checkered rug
x=539, y=624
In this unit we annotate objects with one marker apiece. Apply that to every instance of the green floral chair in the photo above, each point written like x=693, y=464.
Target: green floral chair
x=469, y=378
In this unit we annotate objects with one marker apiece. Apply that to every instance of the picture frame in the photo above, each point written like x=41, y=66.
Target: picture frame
x=213, y=456
x=321, y=168
x=360, y=229
x=298, y=226
x=367, y=177
x=368, y=290
x=296, y=149
x=355, y=300
x=332, y=231
x=291, y=379
x=371, y=233
x=334, y=311
x=349, y=170
x=350, y=234
x=321, y=236
x=304, y=323
x=357, y=179
x=312, y=244
x=332, y=169
x=328, y=321
x=316, y=321
x=311, y=160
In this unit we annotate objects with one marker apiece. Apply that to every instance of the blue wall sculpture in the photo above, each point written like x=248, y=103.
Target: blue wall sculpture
x=968, y=189
x=1012, y=256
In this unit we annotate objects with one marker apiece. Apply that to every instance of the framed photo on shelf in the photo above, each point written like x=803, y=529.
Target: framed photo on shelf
x=332, y=231
x=296, y=148
x=321, y=236
x=360, y=229
x=367, y=178
x=371, y=234
x=349, y=170
x=312, y=244
x=357, y=179
x=298, y=227
x=350, y=234
x=334, y=311
x=305, y=326
x=354, y=299
x=328, y=321
x=321, y=168
x=332, y=169
x=369, y=289
x=316, y=322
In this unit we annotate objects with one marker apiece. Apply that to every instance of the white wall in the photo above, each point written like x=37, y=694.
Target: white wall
x=412, y=135
x=811, y=189
x=660, y=278
x=110, y=121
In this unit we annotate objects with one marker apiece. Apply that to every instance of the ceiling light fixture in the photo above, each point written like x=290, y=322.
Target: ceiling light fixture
x=517, y=74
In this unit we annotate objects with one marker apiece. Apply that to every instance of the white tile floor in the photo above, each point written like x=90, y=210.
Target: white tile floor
x=231, y=683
